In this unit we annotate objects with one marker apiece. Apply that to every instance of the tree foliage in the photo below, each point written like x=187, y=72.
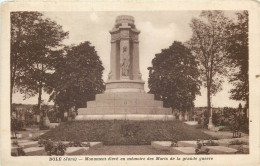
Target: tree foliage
x=21, y=34
x=35, y=41
x=77, y=77
x=209, y=44
x=173, y=77
x=238, y=56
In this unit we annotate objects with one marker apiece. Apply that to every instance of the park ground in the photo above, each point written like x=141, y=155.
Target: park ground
x=70, y=131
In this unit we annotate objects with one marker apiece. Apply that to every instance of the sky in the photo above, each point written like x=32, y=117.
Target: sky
x=158, y=31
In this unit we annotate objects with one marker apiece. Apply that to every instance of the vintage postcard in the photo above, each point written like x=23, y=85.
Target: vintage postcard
x=130, y=82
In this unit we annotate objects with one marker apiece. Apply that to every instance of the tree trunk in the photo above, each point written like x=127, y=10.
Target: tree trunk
x=209, y=102
x=13, y=71
x=11, y=96
x=40, y=96
x=40, y=90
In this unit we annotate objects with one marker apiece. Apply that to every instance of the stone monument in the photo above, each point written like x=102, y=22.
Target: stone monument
x=124, y=97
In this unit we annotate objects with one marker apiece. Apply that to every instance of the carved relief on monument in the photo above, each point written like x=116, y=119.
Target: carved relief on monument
x=125, y=62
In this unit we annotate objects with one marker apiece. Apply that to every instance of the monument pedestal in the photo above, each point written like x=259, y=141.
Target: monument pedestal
x=124, y=98
x=125, y=86
x=125, y=106
x=211, y=125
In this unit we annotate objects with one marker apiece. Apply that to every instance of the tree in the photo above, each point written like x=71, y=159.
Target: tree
x=238, y=56
x=77, y=77
x=35, y=42
x=21, y=33
x=173, y=77
x=209, y=44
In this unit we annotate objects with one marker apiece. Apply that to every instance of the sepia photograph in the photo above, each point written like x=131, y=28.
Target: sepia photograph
x=129, y=85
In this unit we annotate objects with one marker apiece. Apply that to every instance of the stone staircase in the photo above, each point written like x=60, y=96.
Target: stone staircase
x=125, y=106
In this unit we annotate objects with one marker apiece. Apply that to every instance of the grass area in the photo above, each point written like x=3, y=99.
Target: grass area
x=119, y=132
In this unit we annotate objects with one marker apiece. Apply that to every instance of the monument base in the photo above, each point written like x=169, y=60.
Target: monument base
x=125, y=106
x=125, y=86
x=138, y=117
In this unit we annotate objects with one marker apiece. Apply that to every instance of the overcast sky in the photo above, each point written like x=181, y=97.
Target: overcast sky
x=158, y=31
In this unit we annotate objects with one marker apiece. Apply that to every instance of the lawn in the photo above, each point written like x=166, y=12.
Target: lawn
x=119, y=132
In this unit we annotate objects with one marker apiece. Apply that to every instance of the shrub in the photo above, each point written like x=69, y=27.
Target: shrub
x=174, y=143
x=226, y=128
x=20, y=152
x=41, y=127
x=129, y=130
x=79, y=144
x=199, y=149
x=236, y=142
x=58, y=149
x=48, y=146
x=53, y=148
x=16, y=125
x=210, y=143
x=85, y=144
x=28, y=119
x=41, y=142
x=215, y=119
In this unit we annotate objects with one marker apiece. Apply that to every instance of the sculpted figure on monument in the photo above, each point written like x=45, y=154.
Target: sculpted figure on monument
x=125, y=62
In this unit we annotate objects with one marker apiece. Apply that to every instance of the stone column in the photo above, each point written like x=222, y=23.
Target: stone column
x=113, y=65
x=136, y=70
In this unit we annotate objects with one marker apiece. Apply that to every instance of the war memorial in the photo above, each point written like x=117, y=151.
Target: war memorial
x=124, y=119
x=124, y=97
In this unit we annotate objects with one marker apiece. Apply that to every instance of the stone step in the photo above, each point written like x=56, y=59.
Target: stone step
x=124, y=110
x=96, y=144
x=76, y=151
x=23, y=140
x=183, y=150
x=34, y=151
x=125, y=103
x=220, y=150
x=28, y=144
x=124, y=95
x=126, y=117
x=187, y=144
x=224, y=142
x=161, y=145
x=244, y=139
x=227, y=142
